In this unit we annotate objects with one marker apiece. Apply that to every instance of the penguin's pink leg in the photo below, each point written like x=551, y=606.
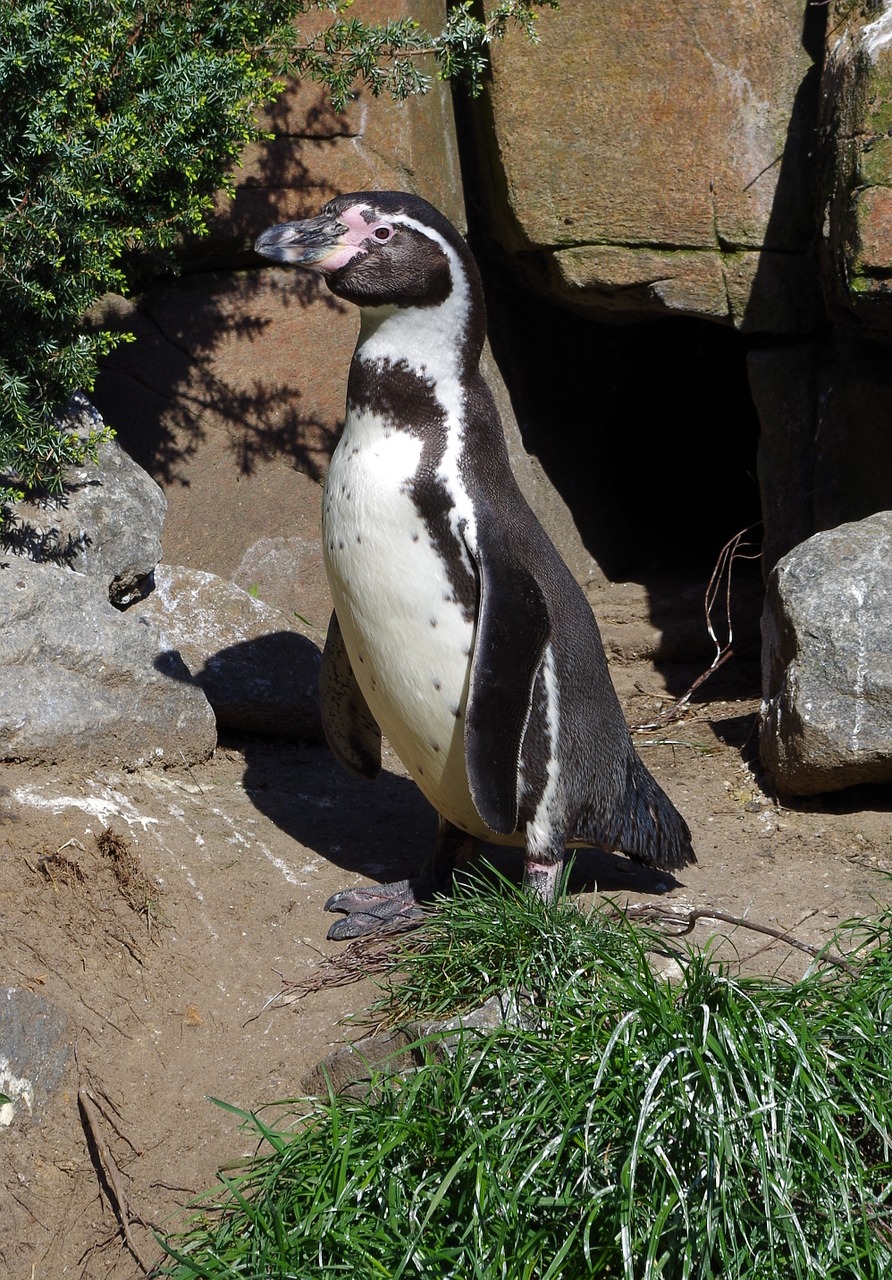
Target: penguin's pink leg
x=540, y=879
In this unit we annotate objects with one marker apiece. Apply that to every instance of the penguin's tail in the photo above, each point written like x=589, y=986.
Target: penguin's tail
x=644, y=823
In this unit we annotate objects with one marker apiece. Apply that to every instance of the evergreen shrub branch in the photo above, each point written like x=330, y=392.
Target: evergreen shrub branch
x=119, y=121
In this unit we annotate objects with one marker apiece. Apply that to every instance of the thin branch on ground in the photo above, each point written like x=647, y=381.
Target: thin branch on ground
x=650, y=913
x=719, y=584
x=129, y=946
x=120, y=1203
x=191, y=774
x=374, y=954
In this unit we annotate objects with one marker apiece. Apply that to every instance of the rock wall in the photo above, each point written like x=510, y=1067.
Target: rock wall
x=856, y=148
x=825, y=404
x=663, y=163
x=681, y=159
x=724, y=165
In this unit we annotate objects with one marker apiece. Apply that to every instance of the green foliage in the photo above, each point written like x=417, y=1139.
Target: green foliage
x=714, y=1127
x=119, y=120
x=394, y=57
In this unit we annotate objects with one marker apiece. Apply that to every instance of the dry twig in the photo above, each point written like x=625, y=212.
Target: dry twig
x=363, y=958
x=58, y=870
x=669, y=915
x=90, y=1117
x=125, y=942
x=735, y=549
x=191, y=774
x=134, y=886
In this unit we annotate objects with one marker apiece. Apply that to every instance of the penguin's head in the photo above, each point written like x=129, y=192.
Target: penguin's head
x=378, y=248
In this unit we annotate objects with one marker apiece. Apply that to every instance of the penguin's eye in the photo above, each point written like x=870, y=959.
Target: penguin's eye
x=382, y=232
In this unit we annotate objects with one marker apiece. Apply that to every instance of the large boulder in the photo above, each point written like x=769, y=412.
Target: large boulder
x=827, y=661
x=81, y=681
x=108, y=523
x=655, y=157
x=856, y=118
x=257, y=667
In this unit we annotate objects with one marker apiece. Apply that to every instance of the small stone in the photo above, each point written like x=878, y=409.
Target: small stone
x=35, y=1055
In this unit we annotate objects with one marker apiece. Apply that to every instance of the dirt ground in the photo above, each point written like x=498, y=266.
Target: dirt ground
x=168, y=945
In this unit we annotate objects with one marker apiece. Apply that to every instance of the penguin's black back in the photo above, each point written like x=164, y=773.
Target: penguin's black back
x=612, y=801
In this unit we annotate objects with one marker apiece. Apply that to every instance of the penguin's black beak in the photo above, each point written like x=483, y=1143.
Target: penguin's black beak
x=313, y=243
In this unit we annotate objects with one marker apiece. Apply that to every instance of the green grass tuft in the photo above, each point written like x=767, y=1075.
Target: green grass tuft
x=490, y=938
x=714, y=1127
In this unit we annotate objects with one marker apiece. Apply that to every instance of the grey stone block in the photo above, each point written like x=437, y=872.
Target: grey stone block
x=827, y=661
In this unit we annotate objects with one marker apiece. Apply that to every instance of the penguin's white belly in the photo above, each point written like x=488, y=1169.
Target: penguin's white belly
x=408, y=639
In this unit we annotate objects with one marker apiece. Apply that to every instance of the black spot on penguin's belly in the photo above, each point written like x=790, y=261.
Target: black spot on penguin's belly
x=395, y=393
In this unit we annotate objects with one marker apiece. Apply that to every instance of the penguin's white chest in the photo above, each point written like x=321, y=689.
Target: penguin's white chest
x=409, y=640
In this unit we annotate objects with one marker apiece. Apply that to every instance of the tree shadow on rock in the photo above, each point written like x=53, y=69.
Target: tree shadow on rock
x=19, y=536
x=163, y=393
x=163, y=396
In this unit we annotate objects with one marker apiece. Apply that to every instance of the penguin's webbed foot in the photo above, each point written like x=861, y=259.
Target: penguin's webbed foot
x=379, y=907
x=405, y=903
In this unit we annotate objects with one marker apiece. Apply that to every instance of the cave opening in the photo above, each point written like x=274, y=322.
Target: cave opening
x=648, y=430
x=649, y=434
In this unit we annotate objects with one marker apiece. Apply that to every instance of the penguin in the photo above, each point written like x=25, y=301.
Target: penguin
x=457, y=631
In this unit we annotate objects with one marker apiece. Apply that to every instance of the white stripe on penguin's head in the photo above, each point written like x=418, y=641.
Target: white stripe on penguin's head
x=430, y=339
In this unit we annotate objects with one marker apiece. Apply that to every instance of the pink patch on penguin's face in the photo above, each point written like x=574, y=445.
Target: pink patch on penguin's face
x=339, y=257
x=355, y=241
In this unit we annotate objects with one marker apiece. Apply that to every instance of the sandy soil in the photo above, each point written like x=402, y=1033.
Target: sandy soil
x=167, y=946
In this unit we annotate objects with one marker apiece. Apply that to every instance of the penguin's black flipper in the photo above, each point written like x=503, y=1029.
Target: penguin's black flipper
x=513, y=627
x=350, y=728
